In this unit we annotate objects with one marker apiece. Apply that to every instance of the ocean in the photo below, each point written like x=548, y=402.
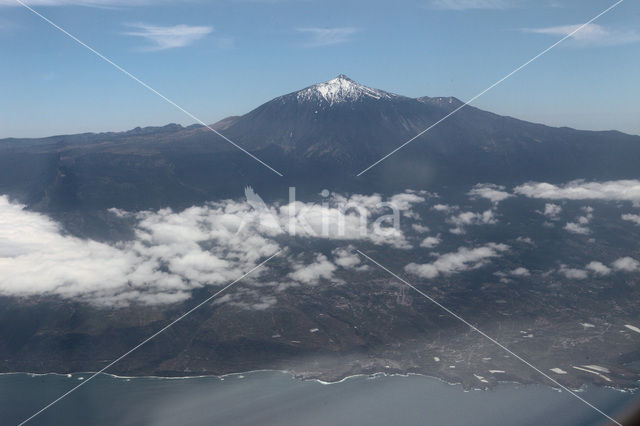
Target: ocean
x=277, y=398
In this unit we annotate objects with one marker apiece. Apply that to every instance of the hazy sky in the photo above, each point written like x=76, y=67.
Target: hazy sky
x=222, y=57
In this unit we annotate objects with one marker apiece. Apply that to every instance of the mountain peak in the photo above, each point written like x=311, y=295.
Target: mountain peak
x=343, y=77
x=341, y=89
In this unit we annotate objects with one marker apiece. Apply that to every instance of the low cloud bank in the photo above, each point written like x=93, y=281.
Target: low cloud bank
x=463, y=259
x=580, y=225
x=599, y=269
x=174, y=253
x=635, y=218
x=493, y=193
x=617, y=190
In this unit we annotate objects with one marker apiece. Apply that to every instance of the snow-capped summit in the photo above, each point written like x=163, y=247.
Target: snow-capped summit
x=341, y=89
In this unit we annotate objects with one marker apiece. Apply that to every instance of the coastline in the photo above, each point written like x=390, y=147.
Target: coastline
x=295, y=376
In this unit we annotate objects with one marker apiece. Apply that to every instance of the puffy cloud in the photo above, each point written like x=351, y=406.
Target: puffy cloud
x=357, y=217
x=405, y=200
x=470, y=218
x=520, y=272
x=626, y=264
x=494, y=193
x=444, y=208
x=618, y=190
x=430, y=242
x=246, y=298
x=576, y=228
x=347, y=258
x=635, y=218
x=175, y=252
x=598, y=268
x=420, y=228
x=552, y=211
x=461, y=260
x=573, y=273
x=311, y=273
x=162, y=265
x=526, y=240
x=579, y=226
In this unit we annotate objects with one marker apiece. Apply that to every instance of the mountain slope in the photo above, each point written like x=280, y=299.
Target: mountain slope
x=318, y=137
x=355, y=125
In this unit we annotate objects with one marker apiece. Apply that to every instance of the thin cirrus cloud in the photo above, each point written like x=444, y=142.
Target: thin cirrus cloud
x=471, y=4
x=88, y=3
x=327, y=36
x=590, y=35
x=168, y=37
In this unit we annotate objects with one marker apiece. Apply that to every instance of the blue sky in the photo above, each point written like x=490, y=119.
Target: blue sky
x=225, y=57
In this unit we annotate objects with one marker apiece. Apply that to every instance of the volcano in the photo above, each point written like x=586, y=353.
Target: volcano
x=320, y=136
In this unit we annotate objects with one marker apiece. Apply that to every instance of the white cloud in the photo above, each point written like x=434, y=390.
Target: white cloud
x=459, y=261
x=420, y=228
x=91, y=3
x=169, y=37
x=405, y=200
x=552, y=211
x=526, y=240
x=430, y=242
x=576, y=228
x=175, y=252
x=320, y=269
x=573, y=273
x=626, y=264
x=598, y=268
x=470, y=218
x=580, y=225
x=162, y=265
x=584, y=220
x=347, y=258
x=591, y=34
x=618, y=190
x=494, y=193
x=246, y=298
x=327, y=36
x=471, y=4
x=357, y=217
x=520, y=272
x=635, y=218
x=444, y=208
